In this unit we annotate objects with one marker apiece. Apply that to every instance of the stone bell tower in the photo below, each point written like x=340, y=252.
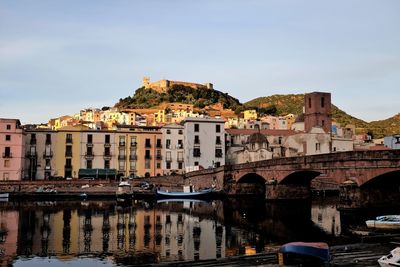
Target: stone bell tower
x=317, y=111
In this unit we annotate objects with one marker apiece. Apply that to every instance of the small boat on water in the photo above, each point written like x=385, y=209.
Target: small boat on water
x=4, y=195
x=389, y=222
x=393, y=259
x=124, y=191
x=304, y=254
x=205, y=193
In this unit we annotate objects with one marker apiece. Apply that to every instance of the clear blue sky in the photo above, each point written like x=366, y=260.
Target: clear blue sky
x=57, y=57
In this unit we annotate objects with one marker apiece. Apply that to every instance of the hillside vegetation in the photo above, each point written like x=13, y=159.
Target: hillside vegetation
x=148, y=98
x=274, y=105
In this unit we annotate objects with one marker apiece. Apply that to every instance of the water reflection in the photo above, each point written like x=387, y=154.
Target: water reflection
x=146, y=232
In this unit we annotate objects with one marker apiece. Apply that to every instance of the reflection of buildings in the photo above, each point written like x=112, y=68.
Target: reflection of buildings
x=8, y=236
x=327, y=217
x=95, y=228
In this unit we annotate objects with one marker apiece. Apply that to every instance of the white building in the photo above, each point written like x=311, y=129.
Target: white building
x=204, y=142
x=173, y=152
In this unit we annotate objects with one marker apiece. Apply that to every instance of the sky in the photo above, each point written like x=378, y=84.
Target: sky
x=57, y=57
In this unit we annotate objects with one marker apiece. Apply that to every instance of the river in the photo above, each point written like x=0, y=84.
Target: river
x=91, y=233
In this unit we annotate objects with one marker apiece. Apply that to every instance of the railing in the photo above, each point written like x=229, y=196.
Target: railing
x=68, y=167
x=89, y=144
x=107, y=154
x=68, y=153
x=89, y=155
x=168, y=159
x=218, y=155
x=159, y=157
x=180, y=159
x=47, y=154
x=7, y=155
x=132, y=157
x=159, y=146
x=134, y=144
x=107, y=144
x=197, y=155
x=147, y=157
x=33, y=142
x=121, y=143
x=196, y=141
x=68, y=141
x=121, y=157
x=147, y=145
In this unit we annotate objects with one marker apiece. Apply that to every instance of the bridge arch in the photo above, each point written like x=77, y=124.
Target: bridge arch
x=251, y=184
x=300, y=177
x=388, y=181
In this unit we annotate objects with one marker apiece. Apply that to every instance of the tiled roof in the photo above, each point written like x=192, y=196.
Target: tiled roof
x=264, y=132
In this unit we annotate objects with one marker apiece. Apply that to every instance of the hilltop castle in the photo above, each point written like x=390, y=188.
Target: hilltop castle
x=164, y=85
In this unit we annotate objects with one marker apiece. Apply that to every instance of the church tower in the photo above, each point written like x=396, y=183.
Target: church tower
x=317, y=111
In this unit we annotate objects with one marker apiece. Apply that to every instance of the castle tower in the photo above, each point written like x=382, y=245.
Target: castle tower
x=317, y=111
x=146, y=82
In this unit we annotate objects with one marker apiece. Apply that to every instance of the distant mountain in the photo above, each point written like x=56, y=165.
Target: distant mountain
x=200, y=97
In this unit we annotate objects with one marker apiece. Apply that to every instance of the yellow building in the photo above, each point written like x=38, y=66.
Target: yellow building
x=250, y=114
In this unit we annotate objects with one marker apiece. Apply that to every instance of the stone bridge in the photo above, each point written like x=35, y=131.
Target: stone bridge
x=365, y=177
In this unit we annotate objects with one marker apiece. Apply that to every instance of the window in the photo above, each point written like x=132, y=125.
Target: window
x=168, y=165
x=107, y=151
x=218, y=140
x=48, y=164
x=168, y=143
x=8, y=126
x=147, y=144
x=89, y=164
x=280, y=140
x=121, y=165
x=218, y=153
x=180, y=143
x=217, y=164
x=33, y=139
x=8, y=137
x=322, y=102
x=7, y=152
x=6, y=163
x=196, y=152
x=122, y=140
x=133, y=141
x=147, y=154
x=68, y=163
x=323, y=123
x=158, y=155
x=68, y=138
x=158, y=165
x=107, y=139
x=180, y=132
x=48, y=139
x=196, y=163
x=309, y=102
x=89, y=151
x=159, y=143
x=168, y=131
x=106, y=164
x=168, y=156
x=90, y=138
x=196, y=127
x=317, y=146
x=147, y=164
x=218, y=128
x=6, y=175
x=196, y=139
x=180, y=165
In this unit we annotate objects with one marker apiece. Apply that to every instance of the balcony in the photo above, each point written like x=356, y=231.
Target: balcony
x=89, y=155
x=147, y=157
x=89, y=144
x=168, y=159
x=134, y=144
x=107, y=144
x=68, y=167
x=121, y=143
x=180, y=159
x=68, y=141
x=121, y=157
x=132, y=157
x=107, y=155
x=159, y=157
x=47, y=154
x=68, y=153
x=7, y=155
x=147, y=145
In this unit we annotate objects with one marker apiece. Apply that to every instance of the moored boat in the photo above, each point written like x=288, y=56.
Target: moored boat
x=304, y=254
x=389, y=222
x=393, y=259
x=124, y=191
x=4, y=195
x=205, y=193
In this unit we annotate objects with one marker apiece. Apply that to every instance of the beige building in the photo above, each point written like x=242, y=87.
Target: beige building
x=173, y=152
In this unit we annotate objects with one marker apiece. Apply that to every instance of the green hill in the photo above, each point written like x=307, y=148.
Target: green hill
x=201, y=97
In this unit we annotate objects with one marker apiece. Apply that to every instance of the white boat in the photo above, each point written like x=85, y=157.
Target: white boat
x=205, y=193
x=393, y=259
x=4, y=195
x=385, y=222
x=124, y=191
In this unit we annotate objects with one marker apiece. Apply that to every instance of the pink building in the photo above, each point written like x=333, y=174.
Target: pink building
x=11, y=150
